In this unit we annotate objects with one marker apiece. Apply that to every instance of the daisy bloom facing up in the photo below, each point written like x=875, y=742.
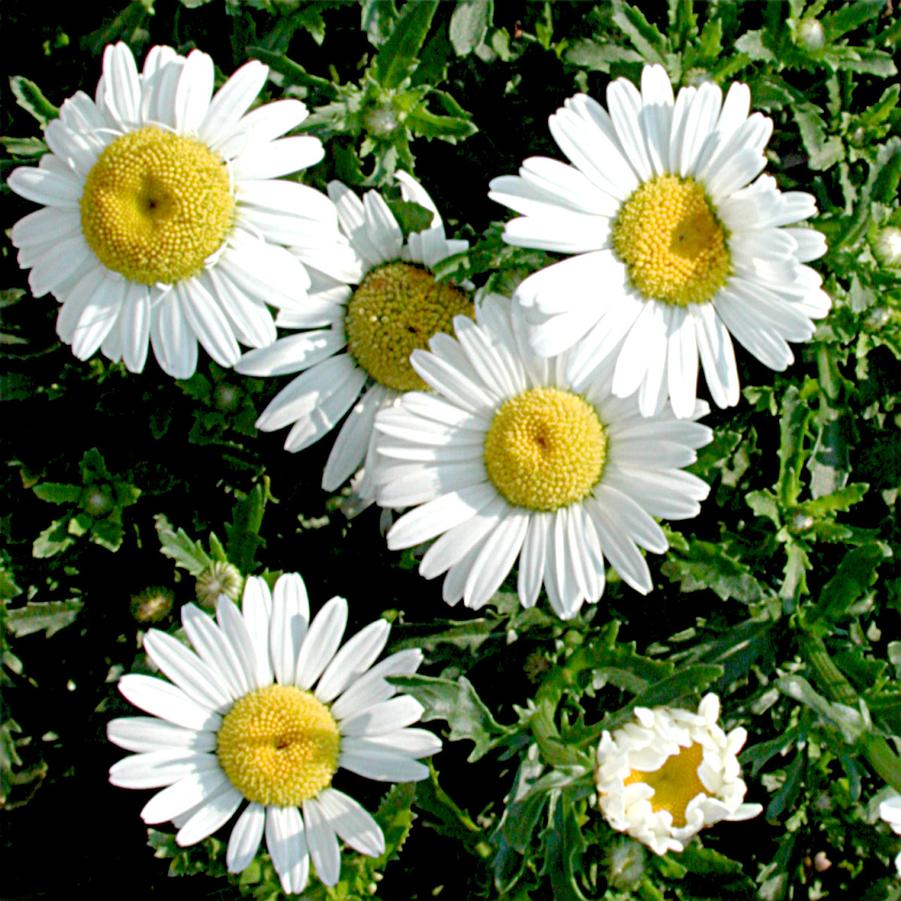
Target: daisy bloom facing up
x=670, y=774
x=511, y=458
x=890, y=811
x=266, y=710
x=679, y=244
x=358, y=329
x=163, y=216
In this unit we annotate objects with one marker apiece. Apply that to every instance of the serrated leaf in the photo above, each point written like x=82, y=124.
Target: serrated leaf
x=469, y=24
x=838, y=501
x=54, y=539
x=107, y=533
x=243, y=534
x=448, y=128
x=850, y=722
x=396, y=58
x=850, y=16
x=824, y=150
x=686, y=681
x=410, y=216
x=708, y=566
x=754, y=45
x=458, y=704
x=29, y=96
x=186, y=553
x=784, y=798
x=598, y=57
x=793, y=428
x=377, y=18
x=24, y=146
x=395, y=818
x=645, y=37
x=48, y=617
x=58, y=492
x=294, y=72
x=564, y=849
x=854, y=576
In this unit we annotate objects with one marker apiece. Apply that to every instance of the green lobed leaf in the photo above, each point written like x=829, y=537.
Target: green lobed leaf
x=458, y=704
x=469, y=24
x=186, y=553
x=590, y=54
x=28, y=95
x=397, y=57
x=645, y=37
x=243, y=534
x=58, y=492
x=854, y=576
x=709, y=566
x=48, y=617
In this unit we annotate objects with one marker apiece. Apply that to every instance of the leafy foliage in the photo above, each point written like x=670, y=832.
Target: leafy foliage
x=783, y=596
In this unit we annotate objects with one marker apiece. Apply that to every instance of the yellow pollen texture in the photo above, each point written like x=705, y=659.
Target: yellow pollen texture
x=396, y=310
x=545, y=449
x=675, y=783
x=279, y=745
x=672, y=244
x=156, y=205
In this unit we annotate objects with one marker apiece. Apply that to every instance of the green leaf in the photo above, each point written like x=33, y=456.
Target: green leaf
x=58, y=492
x=753, y=43
x=243, y=534
x=396, y=58
x=645, y=37
x=24, y=146
x=447, y=128
x=590, y=54
x=784, y=798
x=850, y=722
x=377, y=18
x=707, y=565
x=294, y=72
x=850, y=16
x=458, y=704
x=564, y=849
x=853, y=578
x=28, y=95
x=54, y=539
x=107, y=533
x=186, y=553
x=395, y=818
x=824, y=150
x=838, y=501
x=47, y=617
x=793, y=426
x=687, y=681
x=469, y=24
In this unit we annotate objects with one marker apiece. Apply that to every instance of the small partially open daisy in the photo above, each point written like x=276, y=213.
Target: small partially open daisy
x=267, y=710
x=677, y=245
x=890, y=811
x=671, y=773
x=163, y=216
x=359, y=329
x=510, y=457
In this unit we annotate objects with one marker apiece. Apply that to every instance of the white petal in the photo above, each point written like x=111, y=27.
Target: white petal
x=174, y=344
x=158, y=768
x=287, y=846
x=164, y=700
x=439, y=515
x=245, y=838
x=208, y=322
x=372, y=688
x=280, y=157
x=357, y=655
x=387, y=716
x=353, y=824
x=192, y=96
x=321, y=642
x=322, y=842
x=256, y=606
x=181, y=796
x=147, y=733
x=290, y=617
x=216, y=812
x=231, y=102
x=365, y=757
x=215, y=650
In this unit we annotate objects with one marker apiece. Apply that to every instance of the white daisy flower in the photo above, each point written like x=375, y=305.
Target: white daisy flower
x=678, y=243
x=163, y=212
x=267, y=710
x=890, y=811
x=358, y=330
x=670, y=774
x=512, y=457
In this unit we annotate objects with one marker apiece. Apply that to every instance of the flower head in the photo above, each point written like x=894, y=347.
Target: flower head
x=514, y=456
x=164, y=215
x=267, y=710
x=679, y=245
x=671, y=773
x=358, y=329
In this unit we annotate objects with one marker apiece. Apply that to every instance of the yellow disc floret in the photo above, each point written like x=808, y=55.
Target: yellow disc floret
x=279, y=745
x=671, y=242
x=675, y=783
x=396, y=310
x=545, y=449
x=156, y=205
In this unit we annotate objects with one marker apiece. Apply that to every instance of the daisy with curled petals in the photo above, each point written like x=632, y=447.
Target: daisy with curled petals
x=163, y=215
x=511, y=458
x=266, y=710
x=680, y=243
x=357, y=330
x=670, y=774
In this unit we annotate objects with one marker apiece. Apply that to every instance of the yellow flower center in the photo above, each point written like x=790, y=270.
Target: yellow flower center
x=156, y=205
x=675, y=783
x=279, y=745
x=396, y=310
x=545, y=449
x=671, y=242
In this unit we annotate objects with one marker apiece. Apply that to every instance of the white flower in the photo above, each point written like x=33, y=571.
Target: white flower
x=266, y=710
x=163, y=213
x=677, y=245
x=354, y=347
x=512, y=457
x=890, y=811
x=670, y=774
